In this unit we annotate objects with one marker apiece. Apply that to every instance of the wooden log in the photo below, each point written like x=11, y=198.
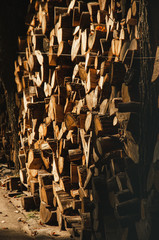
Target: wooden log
x=76, y=204
x=64, y=34
x=82, y=175
x=34, y=159
x=94, y=40
x=65, y=20
x=92, y=98
x=63, y=48
x=73, y=174
x=46, y=44
x=65, y=183
x=107, y=144
x=47, y=214
x=28, y=202
x=60, y=219
x=44, y=178
x=14, y=183
x=89, y=59
x=119, y=183
x=75, y=154
x=64, y=200
x=23, y=175
x=104, y=126
x=22, y=158
x=57, y=12
x=55, y=170
x=37, y=109
x=84, y=20
x=71, y=121
x=101, y=14
x=34, y=187
x=116, y=46
x=92, y=79
x=75, y=50
x=105, y=46
x=59, y=113
x=33, y=63
x=63, y=165
x=103, y=4
x=46, y=156
x=115, y=78
x=76, y=17
x=43, y=130
x=46, y=194
x=37, y=41
x=130, y=19
x=135, y=8
x=84, y=40
x=93, y=8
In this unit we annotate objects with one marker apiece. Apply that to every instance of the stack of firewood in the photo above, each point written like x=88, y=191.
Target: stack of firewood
x=78, y=100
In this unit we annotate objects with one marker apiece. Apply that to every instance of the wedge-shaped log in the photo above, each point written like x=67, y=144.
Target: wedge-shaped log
x=47, y=214
x=34, y=159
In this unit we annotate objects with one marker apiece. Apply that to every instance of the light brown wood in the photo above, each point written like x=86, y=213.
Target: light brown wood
x=34, y=159
x=46, y=194
x=47, y=214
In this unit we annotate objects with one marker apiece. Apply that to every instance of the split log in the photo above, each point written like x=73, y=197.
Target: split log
x=64, y=200
x=44, y=178
x=93, y=8
x=94, y=40
x=92, y=79
x=28, y=203
x=14, y=183
x=104, y=126
x=46, y=194
x=74, y=154
x=71, y=121
x=82, y=174
x=73, y=174
x=107, y=144
x=65, y=183
x=34, y=159
x=23, y=175
x=84, y=20
x=47, y=214
x=34, y=187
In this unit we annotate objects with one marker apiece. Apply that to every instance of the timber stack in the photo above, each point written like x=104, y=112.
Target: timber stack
x=78, y=99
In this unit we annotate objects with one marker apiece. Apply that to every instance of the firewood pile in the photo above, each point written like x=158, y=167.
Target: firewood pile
x=78, y=99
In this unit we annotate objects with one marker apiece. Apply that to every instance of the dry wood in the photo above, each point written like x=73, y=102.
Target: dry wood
x=94, y=40
x=75, y=154
x=46, y=194
x=34, y=159
x=65, y=183
x=34, y=187
x=93, y=8
x=106, y=144
x=28, y=202
x=85, y=20
x=73, y=173
x=82, y=174
x=64, y=200
x=47, y=214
